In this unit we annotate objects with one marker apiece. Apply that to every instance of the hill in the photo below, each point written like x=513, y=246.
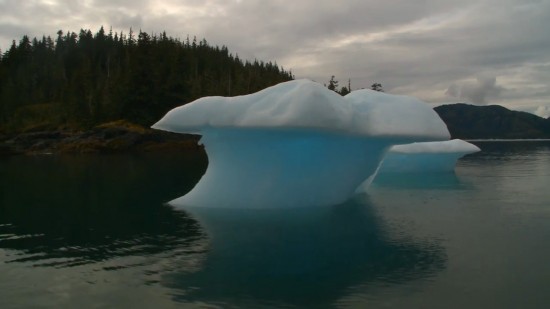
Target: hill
x=467, y=121
x=78, y=81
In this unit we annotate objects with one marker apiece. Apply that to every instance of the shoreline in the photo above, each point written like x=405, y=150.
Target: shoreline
x=122, y=137
x=113, y=137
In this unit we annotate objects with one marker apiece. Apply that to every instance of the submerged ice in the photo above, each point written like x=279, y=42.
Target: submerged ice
x=296, y=143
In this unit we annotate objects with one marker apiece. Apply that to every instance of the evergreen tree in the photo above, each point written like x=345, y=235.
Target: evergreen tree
x=345, y=90
x=83, y=79
x=333, y=84
x=377, y=87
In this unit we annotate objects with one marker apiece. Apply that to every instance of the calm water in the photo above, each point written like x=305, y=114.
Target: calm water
x=94, y=232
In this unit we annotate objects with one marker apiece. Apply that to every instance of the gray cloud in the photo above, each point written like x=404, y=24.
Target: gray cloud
x=477, y=92
x=543, y=111
x=429, y=49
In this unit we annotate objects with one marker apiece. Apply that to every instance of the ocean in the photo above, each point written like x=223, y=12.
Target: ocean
x=95, y=231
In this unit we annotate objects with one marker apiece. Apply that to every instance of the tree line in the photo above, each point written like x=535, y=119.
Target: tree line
x=333, y=85
x=79, y=80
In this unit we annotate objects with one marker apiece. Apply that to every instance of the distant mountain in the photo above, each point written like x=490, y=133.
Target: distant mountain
x=467, y=121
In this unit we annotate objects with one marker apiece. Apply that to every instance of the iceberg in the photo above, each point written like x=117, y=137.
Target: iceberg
x=432, y=162
x=296, y=143
x=426, y=157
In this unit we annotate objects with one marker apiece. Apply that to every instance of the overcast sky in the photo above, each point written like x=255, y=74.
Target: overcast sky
x=476, y=51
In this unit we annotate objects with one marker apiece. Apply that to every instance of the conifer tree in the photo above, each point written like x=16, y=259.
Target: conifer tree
x=83, y=79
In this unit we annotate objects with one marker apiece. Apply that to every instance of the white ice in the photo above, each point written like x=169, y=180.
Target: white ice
x=296, y=143
x=425, y=157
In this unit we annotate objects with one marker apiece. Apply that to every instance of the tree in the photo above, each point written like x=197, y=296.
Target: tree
x=333, y=84
x=377, y=87
x=84, y=79
x=345, y=90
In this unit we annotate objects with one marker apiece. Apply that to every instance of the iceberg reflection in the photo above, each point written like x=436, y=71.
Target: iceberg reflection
x=300, y=256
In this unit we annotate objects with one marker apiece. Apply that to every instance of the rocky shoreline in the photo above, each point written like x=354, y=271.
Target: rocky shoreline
x=114, y=137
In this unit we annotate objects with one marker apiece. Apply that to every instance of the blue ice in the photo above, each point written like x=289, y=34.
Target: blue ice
x=297, y=143
x=426, y=157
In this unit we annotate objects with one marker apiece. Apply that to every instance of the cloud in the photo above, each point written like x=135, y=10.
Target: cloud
x=478, y=91
x=543, y=111
x=412, y=47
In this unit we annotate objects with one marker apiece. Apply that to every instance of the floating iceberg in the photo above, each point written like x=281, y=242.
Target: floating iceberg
x=426, y=157
x=296, y=143
x=433, y=162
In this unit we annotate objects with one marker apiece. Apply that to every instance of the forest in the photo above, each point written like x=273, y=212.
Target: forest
x=79, y=80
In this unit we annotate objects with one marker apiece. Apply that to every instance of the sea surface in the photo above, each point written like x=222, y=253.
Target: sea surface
x=96, y=232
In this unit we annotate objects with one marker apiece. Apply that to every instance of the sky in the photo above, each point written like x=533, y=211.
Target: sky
x=475, y=51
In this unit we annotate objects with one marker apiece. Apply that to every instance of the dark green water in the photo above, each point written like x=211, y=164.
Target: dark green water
x=94, y=232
